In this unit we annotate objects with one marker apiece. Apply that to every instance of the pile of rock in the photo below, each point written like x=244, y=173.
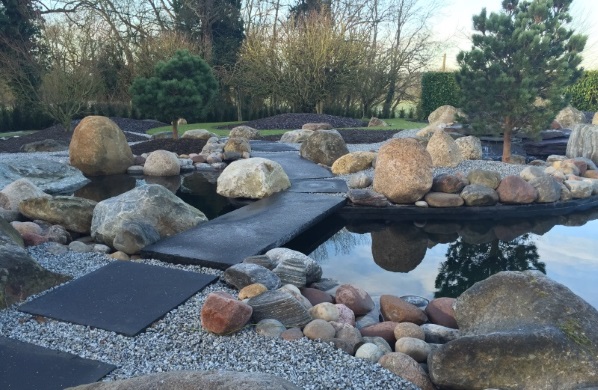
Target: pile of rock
x=125, y=223
x=559, y=178
x=283, y=296
x=282, y=293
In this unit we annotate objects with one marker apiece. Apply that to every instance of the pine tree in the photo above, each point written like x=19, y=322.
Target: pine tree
x=181, y=87
x=522, y=58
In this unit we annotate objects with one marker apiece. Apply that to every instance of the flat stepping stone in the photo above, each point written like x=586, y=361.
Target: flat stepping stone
x=295, y=166
x=269, y=146
x=28, y=366
x=248, y=231
x=324, y=186
x=123, y=297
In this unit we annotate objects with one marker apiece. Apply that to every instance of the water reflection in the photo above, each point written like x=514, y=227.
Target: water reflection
x=436, y=259
x=468, y=263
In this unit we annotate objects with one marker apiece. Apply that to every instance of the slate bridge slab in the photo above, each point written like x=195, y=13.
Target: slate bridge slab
x=248, y=231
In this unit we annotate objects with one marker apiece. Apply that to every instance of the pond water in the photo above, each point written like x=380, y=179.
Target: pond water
x=443, y=259
x=428, y=258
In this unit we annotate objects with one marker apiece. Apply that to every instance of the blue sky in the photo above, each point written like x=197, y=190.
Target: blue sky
x=453, y=26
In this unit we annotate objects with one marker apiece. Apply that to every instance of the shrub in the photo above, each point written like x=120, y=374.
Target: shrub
x=584, y=93
x=438, y=89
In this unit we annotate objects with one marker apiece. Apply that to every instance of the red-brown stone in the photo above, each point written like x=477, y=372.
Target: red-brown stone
x=315, y=296
x=224, y=314
x=354, y=298
x=385, y=329
x=397, y=310
x=515, y=190
x=440, y=311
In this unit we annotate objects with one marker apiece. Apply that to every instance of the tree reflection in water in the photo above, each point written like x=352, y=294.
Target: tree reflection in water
x=467, y=263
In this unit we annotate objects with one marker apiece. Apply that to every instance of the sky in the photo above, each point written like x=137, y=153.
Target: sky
x=453, y=26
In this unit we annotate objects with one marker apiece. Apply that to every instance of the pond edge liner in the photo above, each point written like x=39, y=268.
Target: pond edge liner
x=498, y=212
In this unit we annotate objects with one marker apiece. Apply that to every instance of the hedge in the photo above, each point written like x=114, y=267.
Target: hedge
x=584, y=93
x=438, y=89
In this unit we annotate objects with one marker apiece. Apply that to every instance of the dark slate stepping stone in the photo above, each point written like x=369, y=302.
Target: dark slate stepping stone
x=331, y=186
x=269, y=146
x=295, y=166
x=248, y=231
x=122, y=297
x=28, y=366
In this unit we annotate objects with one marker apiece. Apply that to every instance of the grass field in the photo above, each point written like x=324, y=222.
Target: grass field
x=396, y=123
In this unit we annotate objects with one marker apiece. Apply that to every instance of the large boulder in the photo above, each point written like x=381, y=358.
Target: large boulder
x=296, y=136
x=49, y=176
x=190, y=380
x=162, y=163
x=445, y=114
x=198, y=134
x=99, y=147
x=324, y=147
x=470, y=147
x=69, y=211
x=403, y=170
x=583, y=142
x=353, y=162
x=443, y=150
x=17, y=191
x=153, y=212
x=549, y=190
x=520, y=330
x=244, y=132
x=253, y=178
x=570, y=116
x=479, y=195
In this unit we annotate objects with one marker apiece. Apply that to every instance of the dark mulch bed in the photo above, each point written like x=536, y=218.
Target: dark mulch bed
x=186, y=146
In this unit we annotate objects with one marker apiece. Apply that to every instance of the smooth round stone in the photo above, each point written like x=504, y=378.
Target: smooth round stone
x=416, y=300
x=408, y=329
x=380, y=342
x=101, y=248
x=292, y=334
x=292, y=289
x=439, y=334
x=325, y=311
x=80, y=247
x=319, y=329
x=416, y=348
x=253, y=290
x=421, y=203
x=369, y=352
x=120, y=255
x=346, y=315
x=359, y=180
x=270, y=328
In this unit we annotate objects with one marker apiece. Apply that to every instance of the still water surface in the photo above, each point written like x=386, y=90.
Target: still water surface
x=444, y=259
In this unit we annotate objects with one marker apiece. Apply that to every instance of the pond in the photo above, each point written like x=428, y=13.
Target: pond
x=425, y=258
x=443, y=259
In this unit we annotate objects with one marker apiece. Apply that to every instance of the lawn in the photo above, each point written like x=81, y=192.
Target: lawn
x=396, y=123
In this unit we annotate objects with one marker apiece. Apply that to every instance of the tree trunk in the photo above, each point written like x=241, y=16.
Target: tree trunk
x=175, y=129
x=239, y=108
x=506, y=149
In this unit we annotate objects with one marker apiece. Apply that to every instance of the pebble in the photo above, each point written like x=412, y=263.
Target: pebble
x=177, y=341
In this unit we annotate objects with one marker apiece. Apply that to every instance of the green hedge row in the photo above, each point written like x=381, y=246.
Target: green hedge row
x=584, y=93
x=438, y=89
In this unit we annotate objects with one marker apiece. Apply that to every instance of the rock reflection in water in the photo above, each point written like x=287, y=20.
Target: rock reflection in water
x=198, y=189
x=103, y=187
x=172, y=183
x=399, y=247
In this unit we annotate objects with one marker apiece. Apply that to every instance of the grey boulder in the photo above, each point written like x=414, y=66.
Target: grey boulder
x=151, y=208
x=520, y=330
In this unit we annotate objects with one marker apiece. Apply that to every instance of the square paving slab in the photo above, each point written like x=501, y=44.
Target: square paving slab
x=122, y=297
x=295, y=166
x=250, y=230
x=25, y=366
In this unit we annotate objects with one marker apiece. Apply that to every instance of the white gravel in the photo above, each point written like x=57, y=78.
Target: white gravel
x=177, y=341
